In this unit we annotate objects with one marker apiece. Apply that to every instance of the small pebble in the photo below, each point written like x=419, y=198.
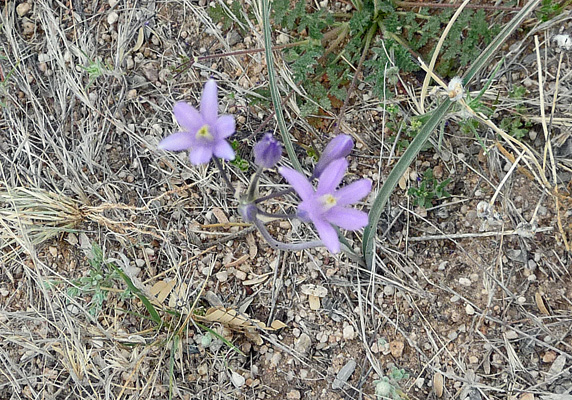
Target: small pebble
x=293, y=395
x=237, y=379
x=452, y=335
x=303, y=343
x=389, y=290
x=469, y=309
x=511, y=335
x=396, y=347
x=112, y=17
x=344, y=374
x=465, y=282
x=222, y=276
x=473, y=359
x=349, y=332
x=23, y=9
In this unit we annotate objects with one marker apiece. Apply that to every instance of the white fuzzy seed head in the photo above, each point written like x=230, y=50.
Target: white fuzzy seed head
x=456, y=89
x=563, y=41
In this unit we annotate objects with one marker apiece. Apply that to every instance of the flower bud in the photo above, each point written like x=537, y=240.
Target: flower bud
x=267, y=151
x=339, y=147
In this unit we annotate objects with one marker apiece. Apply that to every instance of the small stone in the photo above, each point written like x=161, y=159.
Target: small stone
x=349, y=332
x=222, y=276
x=303, y=343
x=132, y=94
x=293, y=395
x=396, y=348
x=389, y=290
x=473, y=359
x=419, y=382
x=23, y=9
x=455, y=298
x=452, y=335
x=275, y=360
x=344, y=374
x=240, y=275
x=469, y=309
x=53, y=251
x=72, y=239
x=549, y=357
x=511, y=335
x=203, y=369
x=465, y=282
x=237, y=379
x=112, y=17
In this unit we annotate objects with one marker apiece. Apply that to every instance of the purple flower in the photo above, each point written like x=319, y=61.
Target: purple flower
x=267, y=151
x=327, y=206
x=204, y=132
x=339, y=147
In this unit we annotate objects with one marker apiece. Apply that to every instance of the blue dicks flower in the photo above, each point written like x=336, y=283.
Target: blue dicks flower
x=327, y=206
x=339, y=147
x=267, y=151
x=204, y=132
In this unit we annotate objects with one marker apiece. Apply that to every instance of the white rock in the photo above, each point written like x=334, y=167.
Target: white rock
x=237, y=379
x=465, y=282
x=349, y=332
x=112, y=17
x=222, y=276
x=23, y=9
x=469, y=309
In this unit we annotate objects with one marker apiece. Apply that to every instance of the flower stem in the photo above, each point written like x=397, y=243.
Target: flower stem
x=254, y=184
x=281, y=245
x=273, y=195
x=276, y=215
x=222, y=172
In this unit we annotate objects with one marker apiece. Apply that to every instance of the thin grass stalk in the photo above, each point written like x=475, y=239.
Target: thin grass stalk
x=274, y=93
x=396, y=173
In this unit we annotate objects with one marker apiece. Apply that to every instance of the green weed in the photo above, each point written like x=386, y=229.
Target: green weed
x=97, y=283
x=429, y=189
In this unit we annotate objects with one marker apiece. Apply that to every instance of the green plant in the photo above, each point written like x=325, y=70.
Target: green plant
x=515, y=126
x=94, y=69
x=550, y=9
x=429, y=189
x=238, y=161
x=97, y=283
x=388, y=388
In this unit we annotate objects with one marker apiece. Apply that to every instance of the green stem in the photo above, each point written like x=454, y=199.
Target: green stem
x=274, y=88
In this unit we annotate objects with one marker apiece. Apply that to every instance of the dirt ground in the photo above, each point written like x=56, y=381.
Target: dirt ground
x=463, y=301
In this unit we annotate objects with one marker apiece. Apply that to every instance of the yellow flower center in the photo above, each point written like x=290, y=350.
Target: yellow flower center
x=203, y=133
x=328, y=201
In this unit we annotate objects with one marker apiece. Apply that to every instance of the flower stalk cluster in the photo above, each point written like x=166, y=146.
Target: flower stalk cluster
x=325, y=205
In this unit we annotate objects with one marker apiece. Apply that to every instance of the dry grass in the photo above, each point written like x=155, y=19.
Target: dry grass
x=83, y=107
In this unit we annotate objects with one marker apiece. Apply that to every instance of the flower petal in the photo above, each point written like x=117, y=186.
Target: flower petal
x=347, y=218
x=200, y=155
x=209, y=102
x=298, y=181
x=353, y=192
x=176, y=142
x=339, y=147
x=223, y=150
x=332, y=176
x=328, y=235
x=188, y=117
x=225, y=126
